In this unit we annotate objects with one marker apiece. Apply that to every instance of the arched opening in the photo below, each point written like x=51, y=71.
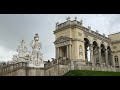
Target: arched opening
x=116, y=61
x=87, y=50
x=96, y=53
x=103, y=54
x=109, y=56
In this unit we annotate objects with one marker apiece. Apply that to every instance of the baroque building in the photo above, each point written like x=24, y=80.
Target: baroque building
x=73, y=41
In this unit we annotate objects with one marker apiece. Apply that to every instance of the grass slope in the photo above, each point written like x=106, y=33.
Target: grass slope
x=91, y=73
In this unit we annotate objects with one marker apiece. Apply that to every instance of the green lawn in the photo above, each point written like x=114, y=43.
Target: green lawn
x=91, y=73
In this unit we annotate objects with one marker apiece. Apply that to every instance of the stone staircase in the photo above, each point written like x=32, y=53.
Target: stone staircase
x=50, y=67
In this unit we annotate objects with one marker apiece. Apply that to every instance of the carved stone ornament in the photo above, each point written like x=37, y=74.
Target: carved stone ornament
x=22, y=49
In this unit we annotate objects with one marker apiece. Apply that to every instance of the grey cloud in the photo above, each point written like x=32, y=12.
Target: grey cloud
x=113, y=23
x=15, y=27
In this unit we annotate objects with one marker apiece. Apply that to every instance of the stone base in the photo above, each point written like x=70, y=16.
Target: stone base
x=81, y=63
x=77, y=63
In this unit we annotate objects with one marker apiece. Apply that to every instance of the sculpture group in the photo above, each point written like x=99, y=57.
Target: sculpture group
x=35, y=57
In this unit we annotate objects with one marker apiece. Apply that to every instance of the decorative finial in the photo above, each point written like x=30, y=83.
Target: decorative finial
x=81, y=21
x=57, y=23
x=103, y=34
x=97, y=31
x=89, y=27
x=68, y=18
x=75, y=18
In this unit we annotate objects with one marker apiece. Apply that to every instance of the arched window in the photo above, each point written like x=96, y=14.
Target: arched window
x=116, y=58
x=116, y=61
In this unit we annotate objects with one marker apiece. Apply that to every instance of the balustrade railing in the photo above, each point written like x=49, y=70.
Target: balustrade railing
x=12, y=67
x=59, y=61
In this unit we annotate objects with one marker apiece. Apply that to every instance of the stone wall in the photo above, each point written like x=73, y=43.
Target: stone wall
x=57, y=69
x=17, y=69
x=20, y=72
x=52, y=68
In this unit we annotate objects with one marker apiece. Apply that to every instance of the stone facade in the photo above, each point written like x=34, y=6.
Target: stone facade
x=72, y=40
x=115, y=43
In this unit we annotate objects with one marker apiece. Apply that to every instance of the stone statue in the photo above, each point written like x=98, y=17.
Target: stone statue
x=89, y=27
x=22, y=49
x=35, y=44
x=57, y=23
x=75, y=18
x=36, y=52
x=68, y=18
x=97, y=31
x=103, y=34
x=81, y=21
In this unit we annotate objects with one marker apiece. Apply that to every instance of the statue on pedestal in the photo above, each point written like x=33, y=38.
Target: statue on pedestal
x=37, y=56
x=34, y=58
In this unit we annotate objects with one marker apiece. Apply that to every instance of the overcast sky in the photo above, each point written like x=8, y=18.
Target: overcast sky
x=15, y=27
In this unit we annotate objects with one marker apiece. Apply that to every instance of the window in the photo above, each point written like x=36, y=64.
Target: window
x=116, y=58
x=116, y=61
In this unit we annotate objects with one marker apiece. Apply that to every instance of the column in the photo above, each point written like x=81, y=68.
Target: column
x=67, y=51
x=100, y=57
x=58, y=54
x=70, y=51
x=106, y=56
x=110, y=58
x=113, y=61
x=91, y=55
